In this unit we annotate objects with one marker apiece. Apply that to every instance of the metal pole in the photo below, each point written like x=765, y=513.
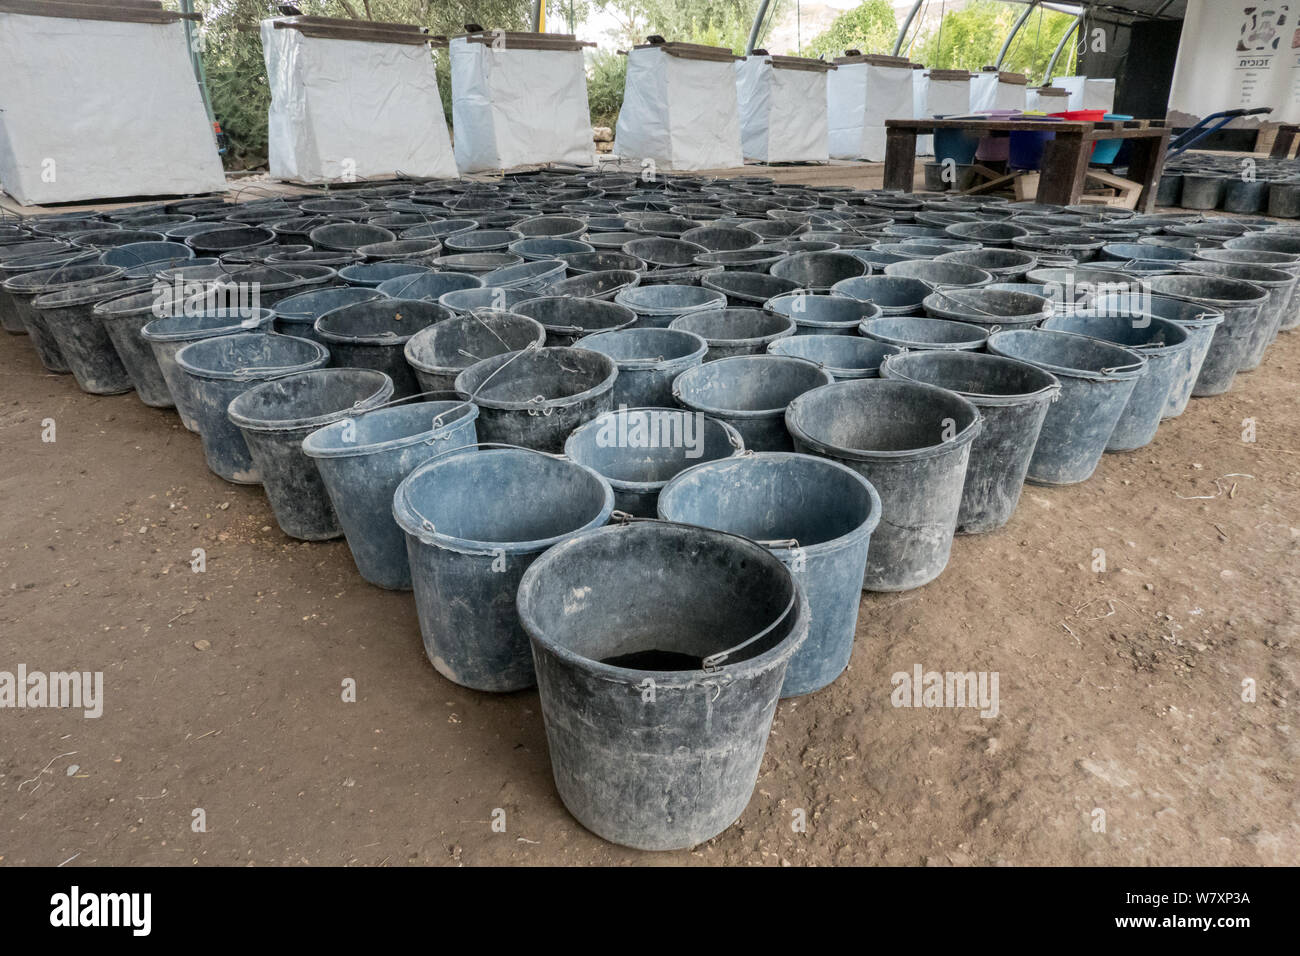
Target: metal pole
x=754, y=30
x=1015, y=28
x=907, y=22
x=1051, y=64
x=196, y=60
x=536, y=16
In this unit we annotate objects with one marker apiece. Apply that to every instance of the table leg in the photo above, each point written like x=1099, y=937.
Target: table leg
x=1146, y=165
x=1065, y=164
x=900, y=159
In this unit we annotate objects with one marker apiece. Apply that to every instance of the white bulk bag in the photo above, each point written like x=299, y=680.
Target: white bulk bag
x=783, y=109
x=519, y=99
x=680, y=108
x=1099, y=94
x=994, y=90
x=1074, y=86
x=944, y=93
x=861, y=93
x=1048, y=99
x=345, y=108
x=95, y=108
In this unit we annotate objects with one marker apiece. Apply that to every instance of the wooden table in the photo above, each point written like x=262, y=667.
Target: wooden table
x=1065, y=158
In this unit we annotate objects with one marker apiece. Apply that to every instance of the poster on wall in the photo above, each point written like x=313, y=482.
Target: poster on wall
x=1237, y=55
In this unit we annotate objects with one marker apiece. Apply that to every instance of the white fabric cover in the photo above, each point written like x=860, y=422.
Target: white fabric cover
x=1075, y=85
x=939, y=97
x=1099, y=94
x=515, y=107
x=920, y=90
x=859, y=98
x=353, y=109
x=95, y=109
x=1236, y=56
x=680, y=113
x=987, y=92
x=782, y=113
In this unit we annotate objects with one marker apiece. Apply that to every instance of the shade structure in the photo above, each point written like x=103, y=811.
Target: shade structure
x=519, y=99
x=352, y=103
x=100, y=105
x=680, y=108
x=783, y=109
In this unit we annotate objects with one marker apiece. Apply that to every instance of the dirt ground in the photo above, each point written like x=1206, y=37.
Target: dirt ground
x=1120, y=691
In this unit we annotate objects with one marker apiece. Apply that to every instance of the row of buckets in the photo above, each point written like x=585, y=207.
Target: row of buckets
x=661, y=506
x=1243, y=185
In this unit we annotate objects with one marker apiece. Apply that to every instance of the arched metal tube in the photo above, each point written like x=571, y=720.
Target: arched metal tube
x=907, y=22
x=1015, y=28
x=1056, y=54
x=757, y=26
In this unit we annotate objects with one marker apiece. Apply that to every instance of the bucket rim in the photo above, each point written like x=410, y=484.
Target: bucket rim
x=390, y=339
x=250, y=323
x=982, y=399
x=701, y=347
x=268, y=426
x=252, y=373
x=604, y=385
x=748, y=341
x=773, y=657
x=422, y=366
x=411, y=523
x=743, y=414
x=864, y=329
x=1223, y=305
x=965, y=437
x=642, y=487
x=314, y=445
x=838, y=543
x=1157, y=349
x=1115, y=374
x=837, y=371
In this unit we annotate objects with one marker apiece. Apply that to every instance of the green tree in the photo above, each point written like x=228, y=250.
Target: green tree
x=723, y=23
x=870, y=27
x=971, y=38
x=606, y=76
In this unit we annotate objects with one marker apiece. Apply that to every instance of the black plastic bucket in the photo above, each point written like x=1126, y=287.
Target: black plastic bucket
x=648, y=360
x=1281, y=287
x=894, y=295
x=69, y=317
x=660, y=651
x=817, y=516
x=440, y=352
x=750, y=393
x=276, y=416
x=1241, y=304
x=474, y=520
x=373, y=335
x=818, y=271
x=735, y=331
x=991, y=309
x=1097, y=379
x=823, y=314
x=297, y=314
x=535, y=397
x=912, y=442
x=844, y=356
x=568, y=319
x=915, y=332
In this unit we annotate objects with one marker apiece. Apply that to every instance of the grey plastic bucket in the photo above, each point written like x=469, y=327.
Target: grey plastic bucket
x=1282, y=261
x=742, y=260
x=440, y=352
x=476, y=263
x=817, y=516
x=917, y=332
x=735, y=331
x=912, y=442
x=989, y=308
x=1096, y=379
x=1281, y=287
x=420, y=251
x=275, y=282
x=818, y=271
x=168, y=335
x=595, y=285
x=987, y=233
x=1199, y=321
x=373, y=334
x=750, y=393
x=940, y=275
x=637, y=450
x=297, y=314
x=748, y=288
x=25, y=287
x=1002, y=264
x=364, y=457
x=648, y=360
x=539, y=247
x=495, y=299
x=368, y=275
x=844, y=356
x=1202, y=192
x=69, y=317
x=348, y=236
x=218, y=369
x=537, y=396
x=1241, y=304
x=1162, y=343
x=474, y=520
x=216, y=242
x=144, y=259
x=658, y=682
x=532, y=276
x=665, y=253
x=123, y=318
x=276, y=416
x=894, y=295
x=657, y=305
x=568, y=319
x=1013, y=398
x=581, y=263
x=815, y=314
x=430, y=286
x=721, y=238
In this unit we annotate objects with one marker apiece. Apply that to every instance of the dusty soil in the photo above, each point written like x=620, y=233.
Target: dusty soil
x=1120, y=691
